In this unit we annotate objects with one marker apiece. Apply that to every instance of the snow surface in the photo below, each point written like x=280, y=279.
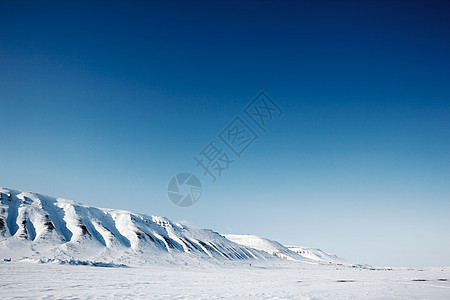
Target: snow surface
x=232, y=280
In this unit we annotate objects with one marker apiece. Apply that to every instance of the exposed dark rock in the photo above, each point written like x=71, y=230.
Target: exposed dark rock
x=84, y=229
x=150, y=237
x=140, y=235
x=49, y=225
x=169, y=242
x=24, y=234
x=2, y=225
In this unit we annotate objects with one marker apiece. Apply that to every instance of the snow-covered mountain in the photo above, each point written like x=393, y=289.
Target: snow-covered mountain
x=262, y=244
x=37, y=226
x=274, y=248
x=43, y=227
x=316, y=254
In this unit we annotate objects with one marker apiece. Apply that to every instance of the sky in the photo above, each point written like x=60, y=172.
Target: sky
x=104, y=102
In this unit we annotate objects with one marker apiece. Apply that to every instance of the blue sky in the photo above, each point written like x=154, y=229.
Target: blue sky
x=103, y=103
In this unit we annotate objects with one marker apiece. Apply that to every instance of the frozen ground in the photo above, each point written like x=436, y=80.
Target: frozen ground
x=231, y=280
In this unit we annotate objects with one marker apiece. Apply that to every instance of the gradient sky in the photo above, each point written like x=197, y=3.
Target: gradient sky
x=103, y=103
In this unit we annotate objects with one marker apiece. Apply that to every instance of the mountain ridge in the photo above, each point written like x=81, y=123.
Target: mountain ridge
x=42, y=227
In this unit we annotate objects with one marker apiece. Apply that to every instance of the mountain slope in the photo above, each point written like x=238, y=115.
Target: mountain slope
x=316, y=254
x=269, y=246
x=292, y=253
x=33, y=225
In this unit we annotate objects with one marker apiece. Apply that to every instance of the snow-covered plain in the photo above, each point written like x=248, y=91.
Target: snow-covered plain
x=282, y=280
x=52, y=248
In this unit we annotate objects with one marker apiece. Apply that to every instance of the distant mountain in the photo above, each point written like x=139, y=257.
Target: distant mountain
x=271, y=247
x=35, y=226
x=316, y=254
x=287, y=252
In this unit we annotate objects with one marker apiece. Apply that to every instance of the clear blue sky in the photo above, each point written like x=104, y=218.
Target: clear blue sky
x=103, y=103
